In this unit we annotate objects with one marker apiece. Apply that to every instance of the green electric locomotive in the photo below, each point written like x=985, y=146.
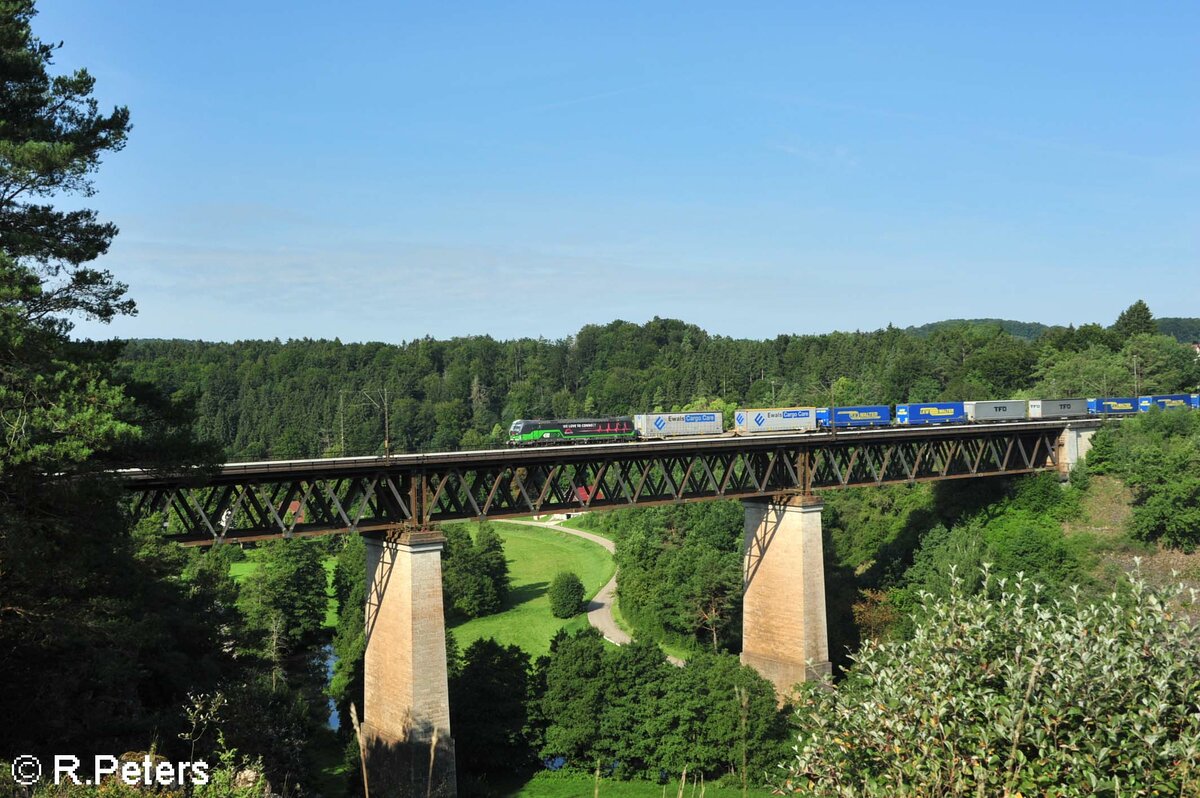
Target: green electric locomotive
x=531, y=432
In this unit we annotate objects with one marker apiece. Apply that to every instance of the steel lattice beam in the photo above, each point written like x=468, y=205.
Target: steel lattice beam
x=264, y=500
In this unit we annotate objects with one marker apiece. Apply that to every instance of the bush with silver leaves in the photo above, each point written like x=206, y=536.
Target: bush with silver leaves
x=1001, y=693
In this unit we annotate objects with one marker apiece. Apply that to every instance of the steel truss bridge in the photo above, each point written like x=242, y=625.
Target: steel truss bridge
x=257, y=501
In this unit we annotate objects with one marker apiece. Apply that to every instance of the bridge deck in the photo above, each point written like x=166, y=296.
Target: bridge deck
x=286, y=497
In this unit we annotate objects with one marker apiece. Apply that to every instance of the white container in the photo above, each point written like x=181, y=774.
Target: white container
x=774, y=419
x=674, y=425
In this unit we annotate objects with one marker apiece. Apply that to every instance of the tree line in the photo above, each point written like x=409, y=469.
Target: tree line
x=115, y=641
x=308, y=398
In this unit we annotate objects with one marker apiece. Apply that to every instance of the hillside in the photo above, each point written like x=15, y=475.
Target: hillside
x=306, y=398
x=1027, y=330
x=1184, y=330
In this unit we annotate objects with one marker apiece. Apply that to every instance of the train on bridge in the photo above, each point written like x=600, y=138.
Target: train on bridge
x=755, y=421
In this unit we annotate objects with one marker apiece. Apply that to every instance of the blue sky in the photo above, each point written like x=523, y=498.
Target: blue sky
x=385, y=171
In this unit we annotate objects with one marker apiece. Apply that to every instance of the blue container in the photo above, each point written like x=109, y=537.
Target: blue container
x=1113, y=406
x=857, y=416
x=1196, y=401
x=1164, y=402
x=931, y=413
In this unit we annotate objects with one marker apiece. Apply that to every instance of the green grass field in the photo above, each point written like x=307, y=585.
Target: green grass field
x=680, y=651
x=577, y=523
x=535, y=555
x=240, y=570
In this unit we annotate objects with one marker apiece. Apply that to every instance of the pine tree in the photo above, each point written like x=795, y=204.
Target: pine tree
x=1134, y=320
x=52, y=137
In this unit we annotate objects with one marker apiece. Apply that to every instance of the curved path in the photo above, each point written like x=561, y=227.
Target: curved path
x=599, y=609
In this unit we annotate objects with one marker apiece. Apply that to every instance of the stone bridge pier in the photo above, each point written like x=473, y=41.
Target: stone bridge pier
x=1072, y=446
x=406, y=703
x=784, y=631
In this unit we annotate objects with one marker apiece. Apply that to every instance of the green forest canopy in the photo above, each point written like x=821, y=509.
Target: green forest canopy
x=309, y=398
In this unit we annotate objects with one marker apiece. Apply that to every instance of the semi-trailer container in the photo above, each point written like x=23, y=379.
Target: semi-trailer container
x=858, y=416
x=1057, y=408
x=1164, y=401
x=774, y=419
x=1112, y=405
x=917, y=413
x=673, y=425
x=997, y=410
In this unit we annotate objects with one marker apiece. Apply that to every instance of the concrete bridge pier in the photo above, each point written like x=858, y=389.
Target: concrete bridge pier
x=406, y=703
x=784, y=629
x=1073, y=446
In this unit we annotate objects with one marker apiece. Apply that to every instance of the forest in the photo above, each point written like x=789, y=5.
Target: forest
x=272, y=399
x=891, y=554
x=997, y=636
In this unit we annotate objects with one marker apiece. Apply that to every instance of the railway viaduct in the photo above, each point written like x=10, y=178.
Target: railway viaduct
x=395, y=503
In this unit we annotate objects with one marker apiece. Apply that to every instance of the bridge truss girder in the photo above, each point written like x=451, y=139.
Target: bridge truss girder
x=575, y=479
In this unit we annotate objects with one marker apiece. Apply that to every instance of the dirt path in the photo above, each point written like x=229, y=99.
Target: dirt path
x=599, y=609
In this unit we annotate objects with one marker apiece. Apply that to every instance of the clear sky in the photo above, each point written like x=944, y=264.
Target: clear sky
x=385, y=171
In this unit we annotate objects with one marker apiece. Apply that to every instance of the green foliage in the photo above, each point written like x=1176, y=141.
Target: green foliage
x=1183, y=330
x=566, y=595
x=1028, y=330
x=1095, y=371
x=713, y=711
x=489, y=699
x=349, y=637
x=573, y=784
x=1142, y=363
x=474, y=572
x=106, y=630
x=574, y=696
x=873, y=530
x=1021, y=534
x=632, y=714
x=1158, y=455
x=680, y=571
x=284, y=599
x=86, y=664
x=274, y=399
x=1134, y=320
x=57, y=402
x=535, y=555
x=1000, y=693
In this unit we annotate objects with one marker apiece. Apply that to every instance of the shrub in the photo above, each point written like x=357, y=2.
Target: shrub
x=998, y=693
x=1158, y=455
x=566, y=595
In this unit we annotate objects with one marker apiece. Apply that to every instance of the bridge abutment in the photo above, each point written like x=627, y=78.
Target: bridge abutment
x=406, y=704
x=1073, y=446
x=784, y=628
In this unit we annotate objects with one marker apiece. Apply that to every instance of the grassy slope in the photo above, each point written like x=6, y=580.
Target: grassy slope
x=576, y=522
x=1102, y=530
x=535, y=555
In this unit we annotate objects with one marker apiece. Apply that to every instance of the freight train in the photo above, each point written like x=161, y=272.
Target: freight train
x=756, y=421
